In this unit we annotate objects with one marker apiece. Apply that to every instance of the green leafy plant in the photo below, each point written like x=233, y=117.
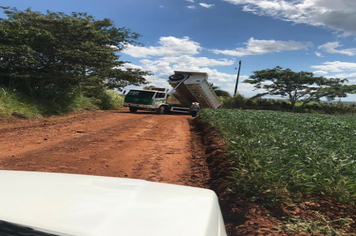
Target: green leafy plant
x=320, y=225
x=278, y=155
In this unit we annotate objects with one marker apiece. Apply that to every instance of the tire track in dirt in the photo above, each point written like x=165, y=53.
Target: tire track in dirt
x=120, y=144
x=50, y=133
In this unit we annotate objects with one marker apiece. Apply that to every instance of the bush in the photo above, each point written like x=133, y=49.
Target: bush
x=109, y=100
x=81, y=103
x=13, y=103
x=237, y=101
x=66, y=101
x=240, y=101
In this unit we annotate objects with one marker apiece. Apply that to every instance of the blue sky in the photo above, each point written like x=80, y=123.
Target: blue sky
x=213, y=35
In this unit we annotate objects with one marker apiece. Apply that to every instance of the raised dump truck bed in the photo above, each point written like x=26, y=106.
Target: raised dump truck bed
x=188, y=87
x=194, y=87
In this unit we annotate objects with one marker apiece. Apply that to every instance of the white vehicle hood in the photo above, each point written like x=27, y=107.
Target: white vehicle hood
x=66, y=204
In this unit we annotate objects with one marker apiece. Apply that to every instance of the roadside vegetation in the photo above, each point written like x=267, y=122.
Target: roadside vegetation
x=15, y=104
x=302, y=87
x=300, y=91
x=293, y=153
x=281, y=156
x=284, y=158
x=317, y=107
x=44, y=71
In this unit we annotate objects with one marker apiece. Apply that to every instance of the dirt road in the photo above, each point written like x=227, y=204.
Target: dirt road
x=163, y=148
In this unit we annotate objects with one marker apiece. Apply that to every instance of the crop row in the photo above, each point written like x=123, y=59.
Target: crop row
x=280, y=156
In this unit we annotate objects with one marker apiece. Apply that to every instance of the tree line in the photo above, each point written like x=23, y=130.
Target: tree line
x=55, y=54
x=301, y=86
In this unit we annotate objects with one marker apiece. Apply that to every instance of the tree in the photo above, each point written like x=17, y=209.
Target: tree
x=52, y=53
x=219, y=92
x=297, y=86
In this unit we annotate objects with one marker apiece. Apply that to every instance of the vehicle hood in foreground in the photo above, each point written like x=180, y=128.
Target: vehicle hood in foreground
x=67, y=204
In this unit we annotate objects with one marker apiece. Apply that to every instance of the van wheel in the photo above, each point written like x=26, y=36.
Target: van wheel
x=161, y=110
x=133, y=109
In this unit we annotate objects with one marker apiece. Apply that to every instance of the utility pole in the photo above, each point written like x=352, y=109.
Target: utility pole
x=237, y=78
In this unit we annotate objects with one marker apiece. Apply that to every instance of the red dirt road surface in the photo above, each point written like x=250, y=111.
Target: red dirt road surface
x=175, y=149
x=161, y=148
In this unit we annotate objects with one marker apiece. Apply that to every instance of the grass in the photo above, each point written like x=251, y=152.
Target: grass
x=15, y=104
x=281, y=156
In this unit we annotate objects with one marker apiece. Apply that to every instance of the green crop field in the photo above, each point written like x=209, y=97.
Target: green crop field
x=280, y=156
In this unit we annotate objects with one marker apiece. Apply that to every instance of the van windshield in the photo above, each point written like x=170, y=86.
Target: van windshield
x=140, y=94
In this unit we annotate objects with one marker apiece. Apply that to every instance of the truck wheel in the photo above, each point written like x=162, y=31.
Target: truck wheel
x=133, y=109
x=161, y=110
x=176, y=77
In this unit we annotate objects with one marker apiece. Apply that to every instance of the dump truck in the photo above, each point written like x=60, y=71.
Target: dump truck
x=187, y=87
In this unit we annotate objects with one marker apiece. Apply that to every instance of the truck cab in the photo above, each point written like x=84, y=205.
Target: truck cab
x=153, y=100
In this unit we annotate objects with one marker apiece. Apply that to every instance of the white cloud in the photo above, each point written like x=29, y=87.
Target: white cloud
x=336, y=66
x=338, y=15
x=318, y=54
x=351, y=77
x=173, y=53
x=257, y=47
x=168, y=64
x=190, y=1
x=198, y=61
x=176, y=54
x=156, y=66
x=337, y=69
x=331, y=47
x=169, y=46
x=131, y=66
x=191, y=7
x=320, y=72
x=206, y=5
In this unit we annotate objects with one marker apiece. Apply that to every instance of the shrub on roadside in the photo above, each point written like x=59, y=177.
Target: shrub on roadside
x=237, y=101
x=109, y=100
x=240, y=102
x=13, y=103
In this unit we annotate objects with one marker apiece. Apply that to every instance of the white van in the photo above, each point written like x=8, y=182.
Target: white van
x=66, y=204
